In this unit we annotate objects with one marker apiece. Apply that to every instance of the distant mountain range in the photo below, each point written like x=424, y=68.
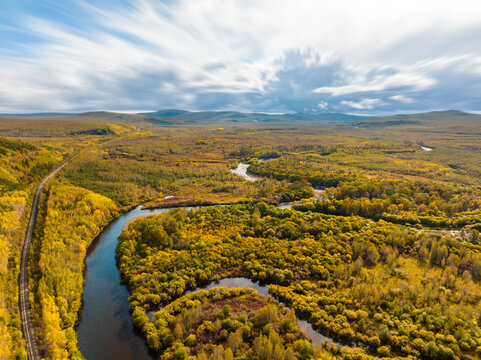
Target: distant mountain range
x=450, y=118
x=178, y=117
x=233, y=116
x=39, y=114
x=174, y=116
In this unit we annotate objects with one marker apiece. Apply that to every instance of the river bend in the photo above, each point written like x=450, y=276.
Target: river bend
x=105, y=329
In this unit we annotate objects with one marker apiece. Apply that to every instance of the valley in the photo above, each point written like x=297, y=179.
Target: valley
x=363, y=238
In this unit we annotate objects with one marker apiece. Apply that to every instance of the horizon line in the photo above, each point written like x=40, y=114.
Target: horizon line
x=146, y=112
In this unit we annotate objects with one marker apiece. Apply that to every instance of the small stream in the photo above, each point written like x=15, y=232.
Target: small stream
x=316, y=337
x=241, y=170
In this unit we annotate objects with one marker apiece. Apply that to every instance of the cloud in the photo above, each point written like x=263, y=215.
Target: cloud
x=276, y=56
x=379, y=80
x=323, y=105
x=401, y=98
x=363, y=104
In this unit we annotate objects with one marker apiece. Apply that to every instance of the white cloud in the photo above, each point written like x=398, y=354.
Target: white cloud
x=364, y=104
x=323, y=105
x=401, y=98
x=251, y=55
x=363, y=81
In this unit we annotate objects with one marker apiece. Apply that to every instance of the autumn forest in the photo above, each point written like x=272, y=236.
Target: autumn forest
x=353, y=240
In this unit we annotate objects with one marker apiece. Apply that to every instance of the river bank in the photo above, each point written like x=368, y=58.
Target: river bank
x=105, y=330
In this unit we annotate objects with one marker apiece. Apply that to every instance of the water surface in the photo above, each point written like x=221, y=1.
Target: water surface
x=105, y=330
x=241, y=170
x=316, y=337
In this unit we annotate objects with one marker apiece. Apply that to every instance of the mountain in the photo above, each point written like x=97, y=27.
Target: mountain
x=175, y=116
x=233, y=116
x=452, y=119
x=118, y=117
x=39, y=114
x=449, y=118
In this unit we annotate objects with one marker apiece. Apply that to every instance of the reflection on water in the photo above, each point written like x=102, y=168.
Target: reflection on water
x=287, y=205
x=316, y=337
x=105, y=329
x=241, y=170
x=236, y=282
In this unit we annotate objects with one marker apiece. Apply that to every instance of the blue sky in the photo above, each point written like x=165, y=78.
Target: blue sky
x=361, y=57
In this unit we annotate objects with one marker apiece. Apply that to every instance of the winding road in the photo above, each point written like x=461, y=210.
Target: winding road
x=27, y=327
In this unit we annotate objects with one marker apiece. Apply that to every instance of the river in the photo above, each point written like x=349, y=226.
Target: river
x=241, y=170
x=105, y=329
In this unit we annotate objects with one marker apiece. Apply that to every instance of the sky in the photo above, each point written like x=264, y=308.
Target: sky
x=370, y=57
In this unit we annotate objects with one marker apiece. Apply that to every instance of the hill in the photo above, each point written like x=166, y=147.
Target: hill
x=177, y=117
x=29, y=115
x=450, y=118
x=233, y=116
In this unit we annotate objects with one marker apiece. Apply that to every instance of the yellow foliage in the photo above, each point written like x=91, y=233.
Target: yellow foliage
x=73, y=218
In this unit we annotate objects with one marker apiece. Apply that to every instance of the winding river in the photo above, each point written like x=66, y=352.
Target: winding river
x=105, y=328
x=241, y=170
x=316, y=338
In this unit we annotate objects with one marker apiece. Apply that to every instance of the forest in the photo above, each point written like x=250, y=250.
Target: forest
x=394, y=290
x=381, y=251
x=24, y=162
x=191, y=165
x=228, y=323
x=22, y=165
x=68, y=222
